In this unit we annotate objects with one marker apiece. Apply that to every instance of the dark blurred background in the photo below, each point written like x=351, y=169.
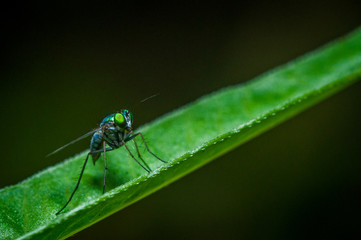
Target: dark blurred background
x=66, y=66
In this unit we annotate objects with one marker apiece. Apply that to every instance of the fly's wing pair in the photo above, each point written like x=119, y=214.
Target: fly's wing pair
x=74, y=141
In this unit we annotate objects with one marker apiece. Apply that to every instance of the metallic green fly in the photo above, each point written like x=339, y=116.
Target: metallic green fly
x=115, y=131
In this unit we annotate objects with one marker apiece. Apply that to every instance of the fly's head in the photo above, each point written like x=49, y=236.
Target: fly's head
x=124, y=119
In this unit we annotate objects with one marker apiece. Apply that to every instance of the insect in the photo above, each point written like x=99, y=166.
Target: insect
x=115, y=131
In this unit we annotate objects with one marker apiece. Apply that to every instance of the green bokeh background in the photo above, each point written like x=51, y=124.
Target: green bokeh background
x=65, y=67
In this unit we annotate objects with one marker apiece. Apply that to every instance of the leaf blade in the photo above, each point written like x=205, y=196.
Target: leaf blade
x=189, y=137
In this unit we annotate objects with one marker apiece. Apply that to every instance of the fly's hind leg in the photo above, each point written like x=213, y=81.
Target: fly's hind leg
x=81, y=174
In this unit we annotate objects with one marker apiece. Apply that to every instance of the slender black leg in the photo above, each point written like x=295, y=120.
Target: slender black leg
x=81, y=174
x=136, y=147
x=105, y=165
x=77, y=185
x=146, y=146
x=125, y=145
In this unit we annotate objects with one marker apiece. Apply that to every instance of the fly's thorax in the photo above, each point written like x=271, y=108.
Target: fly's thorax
x=108, y=120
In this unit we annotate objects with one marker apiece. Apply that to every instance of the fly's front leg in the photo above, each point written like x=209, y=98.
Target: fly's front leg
x=145, y=144
x=121, y=137
x=125, y=145
x=136, y=147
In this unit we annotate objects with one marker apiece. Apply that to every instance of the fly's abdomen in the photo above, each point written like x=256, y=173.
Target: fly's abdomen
x=96, y=144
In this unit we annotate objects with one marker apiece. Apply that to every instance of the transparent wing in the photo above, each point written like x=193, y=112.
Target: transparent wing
x=79, y=138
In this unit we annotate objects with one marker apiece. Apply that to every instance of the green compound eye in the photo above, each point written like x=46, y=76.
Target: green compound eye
x=119, y=119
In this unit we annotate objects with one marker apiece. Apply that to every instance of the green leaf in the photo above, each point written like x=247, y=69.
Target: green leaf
x=187, y=138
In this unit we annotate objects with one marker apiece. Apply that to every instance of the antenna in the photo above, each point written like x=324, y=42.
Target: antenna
x=145, y=99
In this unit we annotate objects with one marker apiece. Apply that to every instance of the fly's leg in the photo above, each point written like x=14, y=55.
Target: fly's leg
x=81, y=174
x=125, y=145
x=76, y=187
x=136, y=147
x=105, y=165
x=145, y=144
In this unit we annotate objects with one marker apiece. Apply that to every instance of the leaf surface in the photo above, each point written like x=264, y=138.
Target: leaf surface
x=187, y=138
